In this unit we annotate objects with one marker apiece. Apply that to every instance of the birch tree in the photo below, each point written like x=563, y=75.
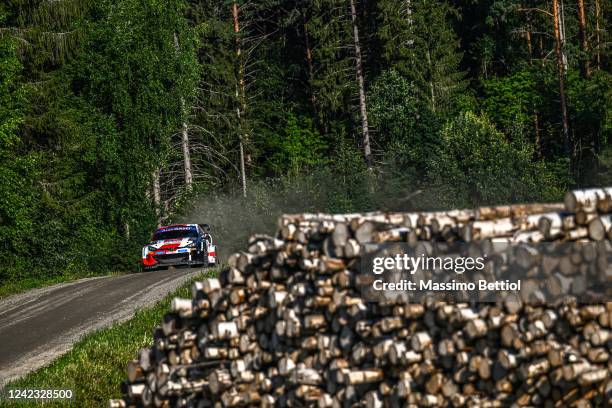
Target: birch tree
x=363, y=110
x=156, y=189
x=240, y=97
x=185, y=148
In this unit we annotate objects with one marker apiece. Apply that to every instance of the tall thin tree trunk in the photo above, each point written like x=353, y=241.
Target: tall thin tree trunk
x=367, y=150
x=431, y=84
x=240, y=94
x=529, y=47
x=185, y=136
x=542, y=52
x=313, y=98
x=408, y=15
x=561, y=15
x=186, y=154
x=408, y=11
x=536, y=120
x=156, y=195
x=584, y=45
x=561, y=73
x=241, y=84
x=597, y=34
x=538, y=136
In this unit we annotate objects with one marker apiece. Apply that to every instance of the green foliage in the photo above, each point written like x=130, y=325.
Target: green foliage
x=591, y=113
x=299, y=148
x=349, y=184
x=104, y=122
x=17, y=195
x=333, y=86
x=11, y=93
x=420, y=43
x=511, y=100
x=477, y=165
x=405, y=126
x=604, y=174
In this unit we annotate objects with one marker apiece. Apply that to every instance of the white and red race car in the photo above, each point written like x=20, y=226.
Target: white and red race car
x=180, y=244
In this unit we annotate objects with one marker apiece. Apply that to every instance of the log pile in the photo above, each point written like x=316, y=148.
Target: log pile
x=284, y=324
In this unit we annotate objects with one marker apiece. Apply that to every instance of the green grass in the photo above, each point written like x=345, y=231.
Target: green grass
x=96, y=365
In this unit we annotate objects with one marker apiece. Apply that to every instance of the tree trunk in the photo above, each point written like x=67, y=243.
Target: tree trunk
x=156, y=195
x=240, y=94
x=529, y=47
x=542, y=52
x=597, y=35
x=561, y=18
x=185, y=136
x=408, y=10
x=538, y=136
x=431, y=85
x=584, y=45
x=186, y=154
x=313, y=98
x=538, y=141
x=536, y=121
x=367, y=150
x=242, y=169
x=561, y=73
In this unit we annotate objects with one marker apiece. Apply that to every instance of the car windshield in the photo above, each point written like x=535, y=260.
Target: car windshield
x=175, y=234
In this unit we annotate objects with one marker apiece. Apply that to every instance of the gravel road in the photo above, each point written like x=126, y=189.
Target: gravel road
x=38, y=326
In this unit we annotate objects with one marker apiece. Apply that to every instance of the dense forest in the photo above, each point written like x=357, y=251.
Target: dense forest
x=116, y=115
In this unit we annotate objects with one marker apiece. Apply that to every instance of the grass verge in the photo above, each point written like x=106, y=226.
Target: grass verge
x=95, y=367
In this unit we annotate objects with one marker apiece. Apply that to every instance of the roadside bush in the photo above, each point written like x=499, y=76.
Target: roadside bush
x=476, y=165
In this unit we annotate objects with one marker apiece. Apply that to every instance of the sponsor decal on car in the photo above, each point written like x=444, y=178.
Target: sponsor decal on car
x=180, y=228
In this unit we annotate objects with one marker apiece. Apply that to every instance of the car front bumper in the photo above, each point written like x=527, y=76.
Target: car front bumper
x=154, y=259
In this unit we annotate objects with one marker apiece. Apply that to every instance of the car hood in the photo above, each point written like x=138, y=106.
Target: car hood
x=171, y=243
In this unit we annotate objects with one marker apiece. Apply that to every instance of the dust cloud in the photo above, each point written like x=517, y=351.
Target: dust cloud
x=233, y=218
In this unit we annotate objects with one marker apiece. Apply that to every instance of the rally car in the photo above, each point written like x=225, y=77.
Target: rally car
x=180, y=244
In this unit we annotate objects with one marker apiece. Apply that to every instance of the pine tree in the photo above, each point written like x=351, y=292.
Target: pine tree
x=332, y=53
x=19, y=200
x=215, y=132
x=48, y=33
x=418, y=41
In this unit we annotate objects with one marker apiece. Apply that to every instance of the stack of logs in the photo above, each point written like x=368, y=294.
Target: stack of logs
x=284, y=325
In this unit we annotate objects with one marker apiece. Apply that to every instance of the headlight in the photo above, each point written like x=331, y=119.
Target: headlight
x=190, y=244
x=146, y=250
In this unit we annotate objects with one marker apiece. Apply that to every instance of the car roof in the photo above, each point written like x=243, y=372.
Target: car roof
x=177, y=227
